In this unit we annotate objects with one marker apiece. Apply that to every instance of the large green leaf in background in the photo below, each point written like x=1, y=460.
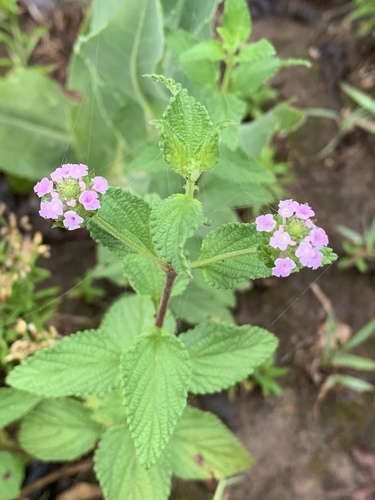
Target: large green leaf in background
x=58, y=430
x=11, y=474
x=200, y=434
x=129, y=45
x=34, y=134
x=193, y=16
x=223, y=354
x=14, y=404
x=120, y=473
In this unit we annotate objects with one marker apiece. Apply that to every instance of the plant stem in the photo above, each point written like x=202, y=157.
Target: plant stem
x=227, y=75
x=190, y=188
x=163, y=306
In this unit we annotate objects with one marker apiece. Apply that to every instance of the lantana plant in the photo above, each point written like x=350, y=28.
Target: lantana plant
x=131, y=379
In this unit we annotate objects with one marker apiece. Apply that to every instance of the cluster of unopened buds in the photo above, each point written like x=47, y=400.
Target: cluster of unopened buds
x=295, y=241
x=71, y=196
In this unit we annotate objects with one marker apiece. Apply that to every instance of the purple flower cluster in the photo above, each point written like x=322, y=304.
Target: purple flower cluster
x=294, y=238
x=70, y=195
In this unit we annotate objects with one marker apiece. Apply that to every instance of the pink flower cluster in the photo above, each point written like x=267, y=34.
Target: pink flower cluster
x=70, y=195
x=295, y=240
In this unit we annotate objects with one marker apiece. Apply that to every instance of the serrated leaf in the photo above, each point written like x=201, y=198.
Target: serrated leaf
x=83, y=363
x=120, y=473
x=14, y=404
x=155, y=375
x=236, y=26
x=223, y=354
x=189, y=140
x=122, y=224
x=203, y=448
x=172, y=222
x=58, y=430
x=11, y=475
x=229, y=255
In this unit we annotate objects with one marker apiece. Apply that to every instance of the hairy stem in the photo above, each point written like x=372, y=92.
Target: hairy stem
x=164, y=301
x=227, y=75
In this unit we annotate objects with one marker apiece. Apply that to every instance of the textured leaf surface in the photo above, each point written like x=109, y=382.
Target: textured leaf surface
x=58, y=430
x=236, y=24
x=83, y=363
x=229, y=256
x=122, y=224
x=120, y=473
x=33, y=119
x=128, y=317
x=223, y=354
x=189, y=140
x=14, y=404
x=11, y=475
x=172, y=222
x=202, y=447
x=155, y=376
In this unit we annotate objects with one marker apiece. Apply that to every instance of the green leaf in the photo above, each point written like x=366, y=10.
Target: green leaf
x=189, y=140
x=148, y=279
x=348, y=381
x=122, y=224
x=361, y=336
x=33, y=119
x=352, y=361
x=14, y=404
x=329, y=256
x=173, y=220
x=364, y=100
x=203, y=448
x=121, y=474
x=155, y=374
x=200, y=301
x=256, y=51
x=236, y=27
x=225, y=107
x=223, y=354
x=190, y=15
x=210, y=50
x=128, y=45
x=83, y=363
x=11, y=475
x=180, y=42
x=255, y=135
x=229, y=255
x=127, y=318
x=94, y=136
x=248, y=77
x=58, y=430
